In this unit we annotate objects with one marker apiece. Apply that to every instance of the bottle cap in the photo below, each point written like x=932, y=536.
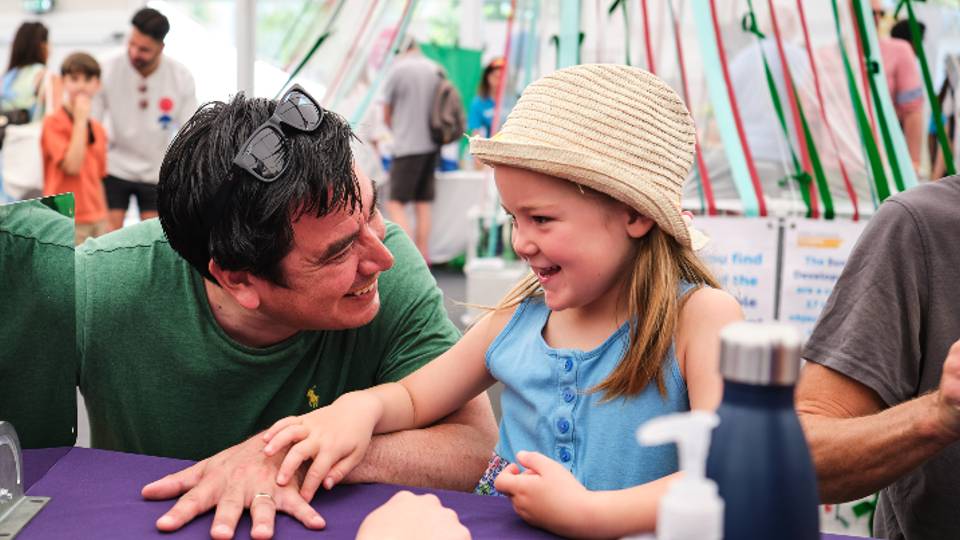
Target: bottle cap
x=760, y=353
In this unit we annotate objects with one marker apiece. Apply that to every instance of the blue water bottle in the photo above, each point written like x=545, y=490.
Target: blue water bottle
x=759, y=457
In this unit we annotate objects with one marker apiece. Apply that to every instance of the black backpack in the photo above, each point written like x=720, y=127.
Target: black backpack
x=447, y=119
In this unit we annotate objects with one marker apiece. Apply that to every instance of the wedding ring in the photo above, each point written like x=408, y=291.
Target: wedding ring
x=263, y=494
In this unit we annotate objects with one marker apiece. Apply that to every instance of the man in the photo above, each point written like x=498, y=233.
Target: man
x=145, y=97
x=273, y=287
x=879, y=398
x=408, y=95
x=38, y=369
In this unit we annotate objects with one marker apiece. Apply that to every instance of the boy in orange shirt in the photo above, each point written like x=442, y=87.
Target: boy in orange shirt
x=74, y=148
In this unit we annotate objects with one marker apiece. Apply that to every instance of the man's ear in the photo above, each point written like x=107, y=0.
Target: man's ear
x=237, y=283
x=638, y=225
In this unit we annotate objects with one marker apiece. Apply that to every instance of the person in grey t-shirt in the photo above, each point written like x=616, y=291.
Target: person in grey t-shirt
x=408, y=98
x=879, y=397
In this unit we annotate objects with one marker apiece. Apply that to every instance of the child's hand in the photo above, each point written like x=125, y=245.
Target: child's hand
x=547, y=495
x=81, y=106
x=335, y=437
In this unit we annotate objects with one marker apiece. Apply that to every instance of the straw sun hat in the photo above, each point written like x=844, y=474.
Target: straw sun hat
x=616, y=129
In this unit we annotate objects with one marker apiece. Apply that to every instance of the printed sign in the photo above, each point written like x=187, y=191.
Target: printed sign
x=743, y=255
x=814, y=253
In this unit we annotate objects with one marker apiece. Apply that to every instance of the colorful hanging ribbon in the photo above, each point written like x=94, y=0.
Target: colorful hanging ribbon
x=626, y=25
x=809, y=146
x=702, y=173
x=863, y=121
x=743, y=172
x=749, y=24
x=316, y=45
x=357, y=68
x=735, y=109
x=823, y=112
x=646, y=35
x=398, y=34
x=349, y=57
x=893, y=141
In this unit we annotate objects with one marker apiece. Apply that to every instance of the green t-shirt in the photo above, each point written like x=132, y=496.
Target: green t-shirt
x=160, y=376
x=38, y=366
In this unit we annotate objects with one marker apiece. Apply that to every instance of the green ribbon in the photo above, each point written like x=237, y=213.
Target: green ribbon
x=812, y=153
x=863, y=122
x=877, y=96
x=928, y=85
x=749, y=24
x=316, y=45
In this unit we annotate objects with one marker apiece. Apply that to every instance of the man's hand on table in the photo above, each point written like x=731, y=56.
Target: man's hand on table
x=237, y=478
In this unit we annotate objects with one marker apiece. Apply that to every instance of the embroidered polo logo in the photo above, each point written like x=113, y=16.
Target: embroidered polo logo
x=312, y=398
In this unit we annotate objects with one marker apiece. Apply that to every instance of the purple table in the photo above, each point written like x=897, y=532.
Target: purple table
x=96, y=494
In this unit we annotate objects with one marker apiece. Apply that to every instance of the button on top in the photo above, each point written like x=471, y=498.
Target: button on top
x=563, y=425
x=568, y=365
x=568, y=395
x=565, y=455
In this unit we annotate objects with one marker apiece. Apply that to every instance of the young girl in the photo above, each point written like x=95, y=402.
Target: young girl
x=618, y=322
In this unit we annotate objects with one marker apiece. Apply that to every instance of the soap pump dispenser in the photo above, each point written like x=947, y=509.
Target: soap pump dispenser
x=691, y=509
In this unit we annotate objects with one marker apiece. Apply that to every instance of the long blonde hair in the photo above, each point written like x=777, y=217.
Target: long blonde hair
x=652, y=300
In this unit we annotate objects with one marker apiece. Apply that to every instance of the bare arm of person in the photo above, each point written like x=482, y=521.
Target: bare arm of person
x=858, y=444
x=704, y=313
x=459, y=447
x=388, y=115
x=337, y=437
x=77, y=148
x=913, y=133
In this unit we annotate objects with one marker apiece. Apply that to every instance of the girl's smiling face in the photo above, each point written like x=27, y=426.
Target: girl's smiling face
x=580, y=243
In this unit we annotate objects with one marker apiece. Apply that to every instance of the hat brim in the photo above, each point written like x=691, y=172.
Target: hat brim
x=586, y=169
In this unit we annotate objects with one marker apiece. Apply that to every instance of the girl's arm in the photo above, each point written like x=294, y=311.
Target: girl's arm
x=443, y=385
x=703, y=314
x=336, y=437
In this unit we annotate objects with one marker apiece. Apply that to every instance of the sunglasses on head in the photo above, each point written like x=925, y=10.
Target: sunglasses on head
x=264, y=154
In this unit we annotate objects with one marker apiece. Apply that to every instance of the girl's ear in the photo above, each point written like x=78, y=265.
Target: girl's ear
x=638, y=225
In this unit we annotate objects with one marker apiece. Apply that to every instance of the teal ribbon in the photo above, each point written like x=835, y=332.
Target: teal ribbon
x=716, y=87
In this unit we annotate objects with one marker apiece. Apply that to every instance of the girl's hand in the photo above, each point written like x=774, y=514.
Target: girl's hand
x=335, y=437
x=547, y=495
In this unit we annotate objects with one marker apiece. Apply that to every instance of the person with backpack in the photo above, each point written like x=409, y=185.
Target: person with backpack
x=22, y=100
x=408, y=102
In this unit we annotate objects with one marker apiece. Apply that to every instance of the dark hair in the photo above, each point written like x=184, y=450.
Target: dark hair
x=254, y=232
x=26, y=48
x=152, y=23
x=80, y=63
x=484, y=89
x=902, y=30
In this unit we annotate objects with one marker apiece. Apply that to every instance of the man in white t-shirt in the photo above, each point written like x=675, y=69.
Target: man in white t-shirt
x=145, y=98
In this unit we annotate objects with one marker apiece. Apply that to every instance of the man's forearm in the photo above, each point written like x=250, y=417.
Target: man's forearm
x=451, y=454
x=855, y=457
